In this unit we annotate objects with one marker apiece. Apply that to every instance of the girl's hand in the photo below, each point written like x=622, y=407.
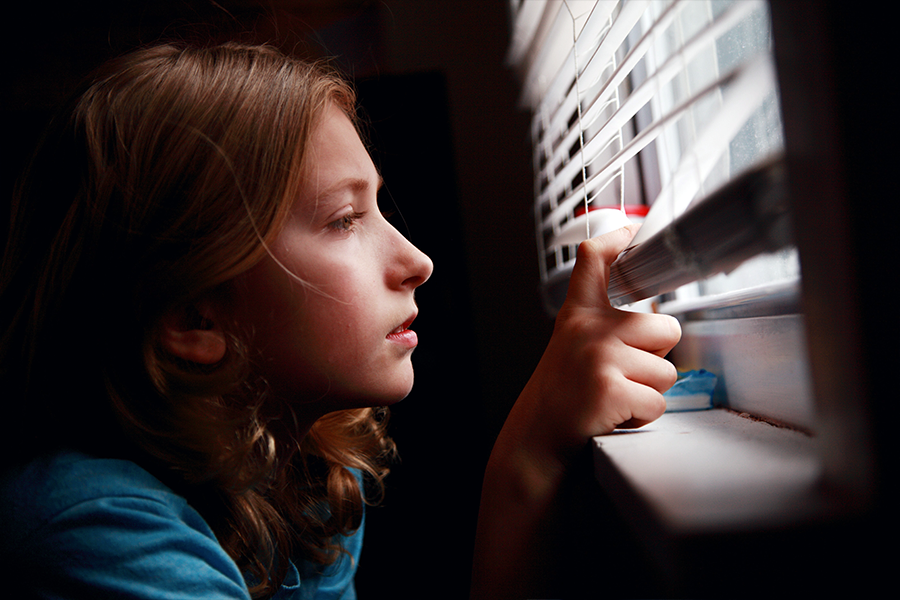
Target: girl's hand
x=604, y=367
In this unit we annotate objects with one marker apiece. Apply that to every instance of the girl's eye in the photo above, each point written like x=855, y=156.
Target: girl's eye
x=346, y=222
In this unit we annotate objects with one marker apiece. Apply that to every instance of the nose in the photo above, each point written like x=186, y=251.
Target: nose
x=411, y=267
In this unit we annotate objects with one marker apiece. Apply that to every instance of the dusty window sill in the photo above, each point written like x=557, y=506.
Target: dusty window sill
x=712, y=471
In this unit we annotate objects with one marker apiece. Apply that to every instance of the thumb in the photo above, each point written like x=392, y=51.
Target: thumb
x=590, y=276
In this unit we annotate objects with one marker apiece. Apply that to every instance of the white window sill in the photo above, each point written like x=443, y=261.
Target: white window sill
x=711, y=471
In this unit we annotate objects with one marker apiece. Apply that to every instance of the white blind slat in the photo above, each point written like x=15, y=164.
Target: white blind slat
x=551, y=57
x=742, y=98
x=594, y=49
x=606, y=79
x=639, y=98
x=749, y=85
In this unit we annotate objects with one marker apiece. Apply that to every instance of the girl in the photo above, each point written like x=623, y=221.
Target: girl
x=205, y=316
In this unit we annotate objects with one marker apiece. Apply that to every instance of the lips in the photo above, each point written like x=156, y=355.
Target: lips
x=405, y=325
x=404, y=335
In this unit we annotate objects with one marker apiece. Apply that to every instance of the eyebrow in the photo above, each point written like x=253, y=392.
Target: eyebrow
x=354, y=184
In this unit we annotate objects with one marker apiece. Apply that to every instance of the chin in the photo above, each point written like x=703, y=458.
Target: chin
x=392, y=390
x=389, y=399
x=369, y=398
x=392, y=396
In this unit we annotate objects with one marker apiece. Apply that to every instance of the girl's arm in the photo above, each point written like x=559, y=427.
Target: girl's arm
x=603, y=368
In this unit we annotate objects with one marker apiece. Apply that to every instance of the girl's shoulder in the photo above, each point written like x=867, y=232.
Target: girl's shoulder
x=77, y=525
x=52, y=482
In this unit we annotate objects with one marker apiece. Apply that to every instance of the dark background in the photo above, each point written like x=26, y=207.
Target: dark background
x=441, y=114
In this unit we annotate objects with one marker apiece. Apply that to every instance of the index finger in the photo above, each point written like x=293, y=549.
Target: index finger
x=590, y=276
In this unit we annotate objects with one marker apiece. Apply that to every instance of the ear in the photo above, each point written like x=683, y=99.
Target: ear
x=192, y=333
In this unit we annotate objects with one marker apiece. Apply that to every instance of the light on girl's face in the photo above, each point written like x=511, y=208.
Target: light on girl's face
x=330, y=310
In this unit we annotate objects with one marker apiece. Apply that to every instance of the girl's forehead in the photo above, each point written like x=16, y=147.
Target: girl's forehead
x=336, y=167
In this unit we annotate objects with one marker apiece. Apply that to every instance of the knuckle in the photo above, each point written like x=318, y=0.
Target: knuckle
x=607, y=244
x=658, y=406
x=672, y=374
x=603, y=375
x=586, y=250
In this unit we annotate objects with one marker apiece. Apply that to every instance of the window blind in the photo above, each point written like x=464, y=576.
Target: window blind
x=642, y=102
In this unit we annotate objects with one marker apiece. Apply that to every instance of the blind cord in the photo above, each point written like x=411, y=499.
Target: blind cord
x=587, y=222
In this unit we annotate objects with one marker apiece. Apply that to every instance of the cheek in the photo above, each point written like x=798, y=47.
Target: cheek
x=325, y=334
x=336, y=273
x=332, y=321
x=344, y=330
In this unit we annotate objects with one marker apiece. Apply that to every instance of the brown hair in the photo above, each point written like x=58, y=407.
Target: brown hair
x=164, y=181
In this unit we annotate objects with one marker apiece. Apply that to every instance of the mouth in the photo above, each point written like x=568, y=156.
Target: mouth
x=403, y=335
x=404, y=326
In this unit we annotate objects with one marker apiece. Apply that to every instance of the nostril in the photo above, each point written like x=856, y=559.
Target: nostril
x=415, y=281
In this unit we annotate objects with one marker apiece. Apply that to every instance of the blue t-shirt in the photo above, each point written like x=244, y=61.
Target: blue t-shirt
x=74, y=526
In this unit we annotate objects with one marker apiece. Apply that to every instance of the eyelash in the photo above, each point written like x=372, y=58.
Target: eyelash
x=348, y=222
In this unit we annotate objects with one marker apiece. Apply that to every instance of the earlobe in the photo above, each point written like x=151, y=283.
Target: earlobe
x=193, y=336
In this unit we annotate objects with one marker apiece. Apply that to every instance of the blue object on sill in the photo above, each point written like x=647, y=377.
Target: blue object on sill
x=692, y=391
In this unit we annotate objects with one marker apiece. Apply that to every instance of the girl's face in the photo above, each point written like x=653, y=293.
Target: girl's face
x=330, y=309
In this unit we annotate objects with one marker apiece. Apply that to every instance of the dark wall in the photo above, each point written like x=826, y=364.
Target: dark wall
x=440, y=109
